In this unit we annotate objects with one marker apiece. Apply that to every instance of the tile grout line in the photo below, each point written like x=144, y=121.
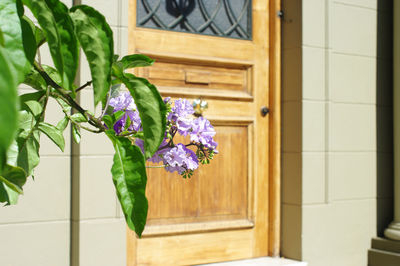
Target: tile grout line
x=327, y=97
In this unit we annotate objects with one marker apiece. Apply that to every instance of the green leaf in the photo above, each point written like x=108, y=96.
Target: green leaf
x=48, y=23
x=108, y=120
x=8, y=106
x=62, y=124
x=69, y=43
x=129, y=177
x=28, y=156
x=26, y=122
x=152, y=111
x=39, y=37
x=12, y=153
x=13, y=177
x=76, y=134
x=136, y=60
x=8, y=195
x=53, y=73
x=3, y=194
x=117, y=116
x=65, y=106
x=78, y=118
x=1, y=38
x=53, y=133
x=28, y=39
x=33, y=96
x=13, y=38
x=34, y=107
x=96, y=39
x=35, y=80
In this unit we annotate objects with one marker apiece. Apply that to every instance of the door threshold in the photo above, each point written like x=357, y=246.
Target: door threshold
x=263, y=261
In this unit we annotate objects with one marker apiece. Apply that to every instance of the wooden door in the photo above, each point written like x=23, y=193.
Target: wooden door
x=229, y=209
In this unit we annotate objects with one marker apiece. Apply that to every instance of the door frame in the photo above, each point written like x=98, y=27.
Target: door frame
x=274, y=153
x=275, y=128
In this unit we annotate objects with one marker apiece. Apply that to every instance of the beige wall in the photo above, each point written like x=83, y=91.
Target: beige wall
x=38, y=230
x=98, y=224
x=329, y=130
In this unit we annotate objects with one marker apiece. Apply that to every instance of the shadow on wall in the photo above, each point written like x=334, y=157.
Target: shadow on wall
x=384, y=115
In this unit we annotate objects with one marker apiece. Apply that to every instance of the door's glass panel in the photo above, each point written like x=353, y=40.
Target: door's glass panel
x=225, y=18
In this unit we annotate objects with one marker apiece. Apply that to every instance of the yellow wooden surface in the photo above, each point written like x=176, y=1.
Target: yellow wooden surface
x=230, y=209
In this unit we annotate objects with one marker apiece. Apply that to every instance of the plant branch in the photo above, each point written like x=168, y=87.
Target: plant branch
x=72, y=121
x=92, y=120
x=84, y=86
x=107, y=103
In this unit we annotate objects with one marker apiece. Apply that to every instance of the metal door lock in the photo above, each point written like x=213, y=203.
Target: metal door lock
x=264, y=111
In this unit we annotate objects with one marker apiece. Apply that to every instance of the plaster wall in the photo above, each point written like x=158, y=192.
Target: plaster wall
x=330, y=150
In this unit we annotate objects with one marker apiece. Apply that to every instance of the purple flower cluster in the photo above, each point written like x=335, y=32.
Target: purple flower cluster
x=130, y=121
x=180, y=119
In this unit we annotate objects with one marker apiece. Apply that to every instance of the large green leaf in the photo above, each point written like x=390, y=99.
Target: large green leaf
x=136, y=60
x=13, y=39
x=69, y=42
x=129, y=177
x=152, y=111
x=8, y=106
x=48, y=23
x=96, y=39
x=53, y=133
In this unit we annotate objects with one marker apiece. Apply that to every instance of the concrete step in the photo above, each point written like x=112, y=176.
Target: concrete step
x=386, y=244
x=378, y=257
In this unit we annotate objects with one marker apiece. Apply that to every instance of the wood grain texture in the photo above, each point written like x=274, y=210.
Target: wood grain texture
x=195, y=248
x=218, y=191
x=275, y=129
x=230, y=209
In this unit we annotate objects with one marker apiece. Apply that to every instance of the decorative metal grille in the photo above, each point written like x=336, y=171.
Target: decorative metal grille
x=225, y=18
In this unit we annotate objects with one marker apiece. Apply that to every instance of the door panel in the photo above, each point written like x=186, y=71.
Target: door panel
x=222, y=212
x=219, y=191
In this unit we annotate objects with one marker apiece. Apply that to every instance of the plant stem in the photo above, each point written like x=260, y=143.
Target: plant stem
x=84, y=86
x=75, y=123
x=155, y=166
x=92, y=120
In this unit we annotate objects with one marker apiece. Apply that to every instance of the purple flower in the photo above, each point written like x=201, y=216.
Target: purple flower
x=182, y=108
x=158, y=155
x=124, y=102
x=203, y=132
x=167, y=100
x=184, y=125
x=180, y=159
